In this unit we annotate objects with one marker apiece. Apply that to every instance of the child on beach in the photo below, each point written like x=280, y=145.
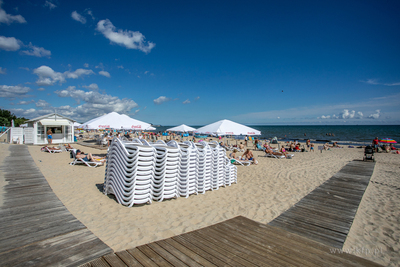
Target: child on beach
x=312, y=147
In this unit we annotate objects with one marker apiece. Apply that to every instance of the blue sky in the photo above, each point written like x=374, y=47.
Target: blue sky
x=196, y=62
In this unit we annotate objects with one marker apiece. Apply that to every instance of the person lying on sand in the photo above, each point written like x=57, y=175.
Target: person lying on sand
x=89, y=157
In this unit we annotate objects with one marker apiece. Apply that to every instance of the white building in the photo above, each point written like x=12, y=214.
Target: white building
x=36, y=132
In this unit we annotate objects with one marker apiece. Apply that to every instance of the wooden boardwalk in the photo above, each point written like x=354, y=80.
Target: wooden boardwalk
x=235, y=242
x=36, y=228
x=308, y=234
x=327, y=213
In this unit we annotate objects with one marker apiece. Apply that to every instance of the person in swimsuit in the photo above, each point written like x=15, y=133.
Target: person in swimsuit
x=49, y=136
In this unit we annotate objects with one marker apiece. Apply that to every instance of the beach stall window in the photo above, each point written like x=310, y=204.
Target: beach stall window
x=60, y=126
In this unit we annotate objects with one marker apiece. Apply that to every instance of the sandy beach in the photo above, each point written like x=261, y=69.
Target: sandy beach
x=263, y=192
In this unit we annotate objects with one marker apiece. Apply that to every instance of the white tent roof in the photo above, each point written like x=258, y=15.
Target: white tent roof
x=115, y=121
x=227, y=127
x=182, y=128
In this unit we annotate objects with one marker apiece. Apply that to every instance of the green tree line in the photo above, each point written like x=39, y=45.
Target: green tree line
x=6, y=117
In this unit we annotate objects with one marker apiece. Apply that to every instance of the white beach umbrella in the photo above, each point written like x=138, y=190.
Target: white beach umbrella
x=182, y=128
x=115, y=121
x=227, y=127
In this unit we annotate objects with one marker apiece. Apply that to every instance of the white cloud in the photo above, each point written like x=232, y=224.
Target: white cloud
x=392, y=84
x=86, y=65
x=186, y=101
x=10, y=91
x=49, y=4
x=76, y=16
x=2, y=71
x=25, y=102
x=375, y=115
x=9, y=43
x=41, y=89
x=346, y=114
x=37, y=51
x=78, y=73
x=376, y=82
x=95, y=103
x=8, y=19
x=92, y=86
x=90, y=13
x=359, y=115
x=47, y=76
x=105, y=73
x=197, y=98
x=126, y=38
x=161, y=100
x=42, y=103
x=120, y=67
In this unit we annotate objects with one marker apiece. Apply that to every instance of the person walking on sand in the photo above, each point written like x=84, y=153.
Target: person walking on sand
x=49, y=136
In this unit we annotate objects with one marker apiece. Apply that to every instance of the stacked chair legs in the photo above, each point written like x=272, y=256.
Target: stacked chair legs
x=138, y=172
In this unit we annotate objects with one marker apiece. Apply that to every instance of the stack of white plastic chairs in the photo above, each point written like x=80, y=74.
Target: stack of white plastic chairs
x=138, y=172
x=130, y=171
x=187, y=181
x=204, y=167
x=218, y=173
x=166, y=173
x=230, y=172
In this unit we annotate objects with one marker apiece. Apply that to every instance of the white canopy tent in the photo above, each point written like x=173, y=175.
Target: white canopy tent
x=182, y=128
x=76, y=125
x=227, y=127
x=114, y=120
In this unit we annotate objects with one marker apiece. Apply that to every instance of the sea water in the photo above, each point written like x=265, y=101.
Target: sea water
x=343, y=134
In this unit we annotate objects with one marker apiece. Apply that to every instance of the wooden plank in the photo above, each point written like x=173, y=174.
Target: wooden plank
x=244, y=250
x=166, y=255
x=308, y=246
x=204, y=253
x=36, y=227
x=113, y=260
x=282, y=243
x=267, y=249
x=213, y=255
x=178, y=254
x=60, y=248
x=142, y=258
x=199, y=259
x=157, y=258
x=100, y=262
x=128, y=259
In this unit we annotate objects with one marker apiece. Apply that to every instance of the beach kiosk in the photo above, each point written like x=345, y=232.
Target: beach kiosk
x=61, y=127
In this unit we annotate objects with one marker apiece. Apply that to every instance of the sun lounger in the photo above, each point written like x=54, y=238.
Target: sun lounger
x=53, y=150
x=240, y=162
x=87, y=163
x=277, y=156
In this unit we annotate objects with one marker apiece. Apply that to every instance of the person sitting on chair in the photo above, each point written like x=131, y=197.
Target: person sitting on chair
x=233, y=154
x=68, y=146
x=89, y=157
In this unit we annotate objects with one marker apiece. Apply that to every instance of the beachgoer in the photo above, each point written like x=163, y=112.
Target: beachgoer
x=312, y=147
x=392, y=147
x=308, y=143
x=375, y=142
x=241, y=146
x=89, y=157
x=49, y=136
x=245, y=140
x=233, y=154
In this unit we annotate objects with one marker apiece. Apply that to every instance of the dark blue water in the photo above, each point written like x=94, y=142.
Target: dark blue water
x=358, y=134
